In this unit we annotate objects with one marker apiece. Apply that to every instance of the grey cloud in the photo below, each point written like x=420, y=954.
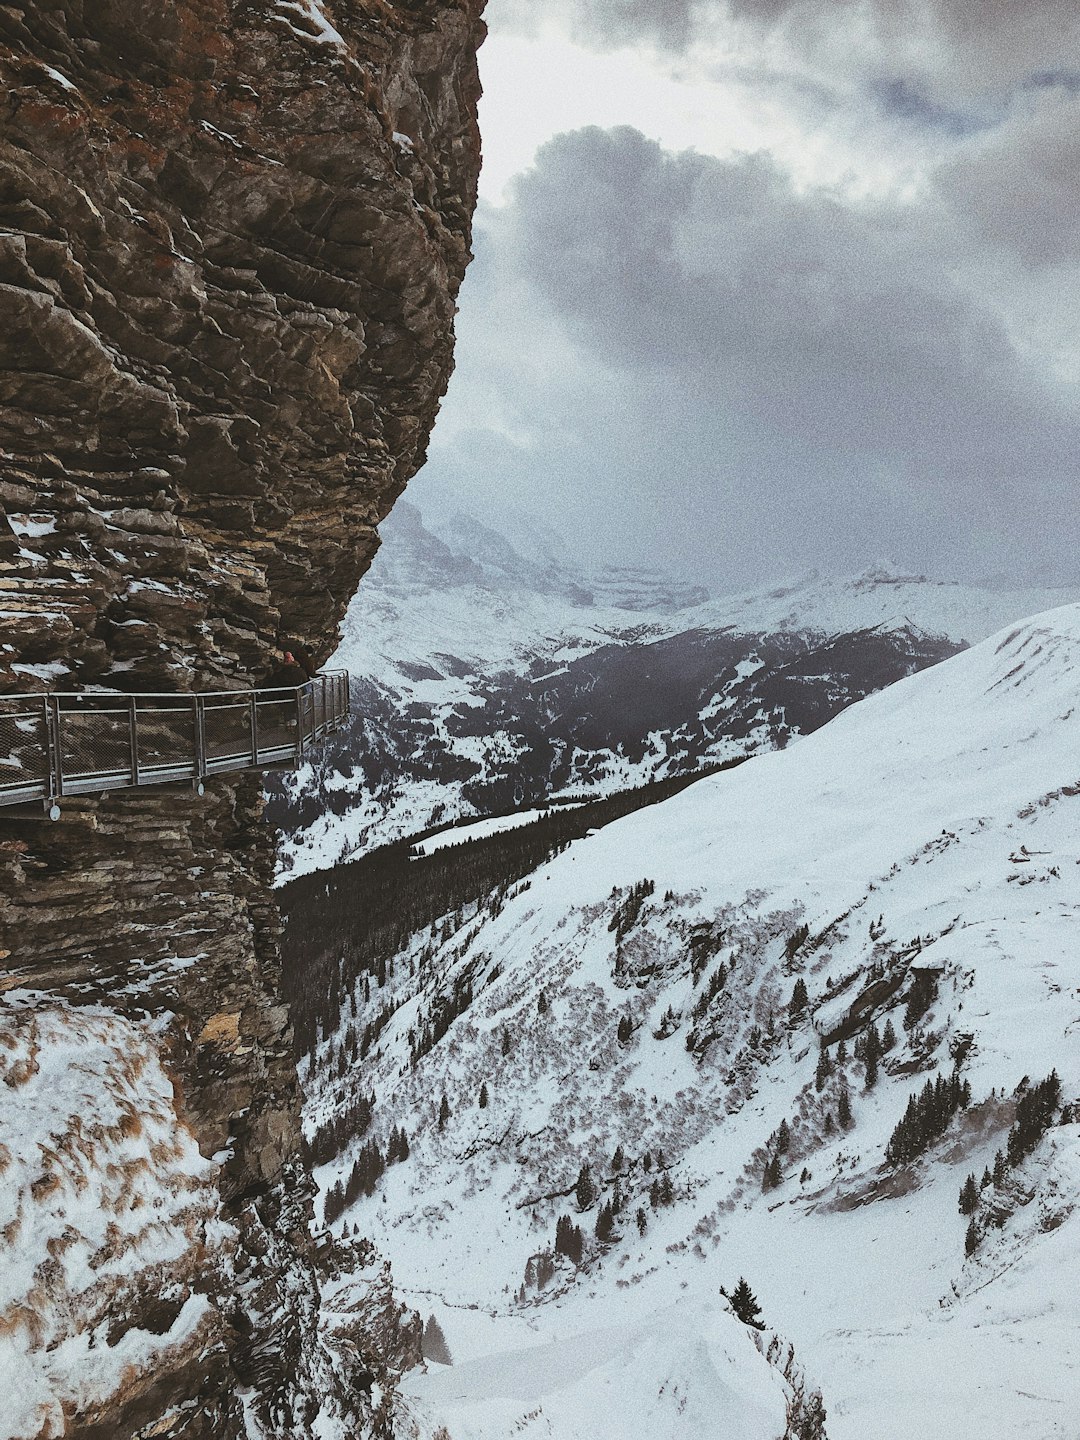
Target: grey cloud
x=1019, y=188
x=684, y=357
x=970, y=47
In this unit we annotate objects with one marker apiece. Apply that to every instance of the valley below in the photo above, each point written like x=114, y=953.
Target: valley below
x=635, y=1057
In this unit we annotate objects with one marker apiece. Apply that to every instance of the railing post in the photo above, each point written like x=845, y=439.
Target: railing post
x=299, y=725
x=133, y=740
x=200, y=738
x=56, y=769
x=253, y=722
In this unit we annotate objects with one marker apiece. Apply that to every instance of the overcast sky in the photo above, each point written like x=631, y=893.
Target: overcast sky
x=768, y=285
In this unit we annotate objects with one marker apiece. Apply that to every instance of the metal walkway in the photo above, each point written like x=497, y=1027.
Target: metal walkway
x=80, y=744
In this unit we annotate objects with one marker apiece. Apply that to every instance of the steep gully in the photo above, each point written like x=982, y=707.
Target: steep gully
x=231, y=239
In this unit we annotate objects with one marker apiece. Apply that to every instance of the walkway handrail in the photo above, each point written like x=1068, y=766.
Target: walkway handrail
x=79, y=743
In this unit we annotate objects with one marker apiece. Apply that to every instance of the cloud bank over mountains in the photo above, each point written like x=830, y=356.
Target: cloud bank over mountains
x=707, y=360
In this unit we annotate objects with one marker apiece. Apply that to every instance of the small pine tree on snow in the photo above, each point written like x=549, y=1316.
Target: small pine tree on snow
x=830, y=1123
x=433, y=1344
x=1000, y=1168
x=482, y=1098
x=841, y=1053
x=971, y=1238
x=969, y=1196
x=987, y=1178
x=625, y=1029
x=542, y=1003
x=584, y=1189
x=667, y=1191
x=888, y=1038
x=444, y=1112
x=824, y=1069
x=618, y=1160
x=744, y=1304
x=654, y=1194
x=605, y=1224
x=799, y=1001
x=647, y=1162
x=783, y=1138
x=506, y=1042
x=871, y=1063
x=773, y=1174
x=843, y=1109
x=642, y=1221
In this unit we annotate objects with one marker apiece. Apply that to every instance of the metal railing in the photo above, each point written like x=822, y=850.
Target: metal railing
x=79, y=744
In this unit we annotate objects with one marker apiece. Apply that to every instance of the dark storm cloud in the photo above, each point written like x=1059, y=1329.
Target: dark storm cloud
x=692, y=358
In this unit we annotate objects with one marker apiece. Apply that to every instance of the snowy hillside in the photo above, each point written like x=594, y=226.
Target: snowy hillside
x=693, y=1036
x=485, y=681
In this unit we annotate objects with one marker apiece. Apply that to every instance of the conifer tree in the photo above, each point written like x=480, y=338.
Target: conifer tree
x=971, y=1238
x=843, y=1109
x=783, y=1138
x=744, y=1304
x=773, y=1174
x=667, y=1190
x=642, y=1221
x=542, y=1003
x=888, y=1039
x=605, y=1224
x=482, y=1098
x=433, y=1344
x=506, y=1042
x=799, y=1001
x=824, y=1069
x=1000, y=1169
x=969, y=1196
x=444, y=1112
x=584, y=1189
x=841, y=1053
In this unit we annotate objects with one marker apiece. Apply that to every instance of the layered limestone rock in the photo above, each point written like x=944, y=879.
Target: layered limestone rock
x=231, y=236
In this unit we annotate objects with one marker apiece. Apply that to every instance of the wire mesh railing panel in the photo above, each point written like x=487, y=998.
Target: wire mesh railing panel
x=93, y=742
x=166, y=737
x=227, y=729
x=24, y=759
x=51, y=745
x=277, y=724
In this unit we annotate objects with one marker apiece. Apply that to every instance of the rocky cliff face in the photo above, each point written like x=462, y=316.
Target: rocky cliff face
x=230, y=242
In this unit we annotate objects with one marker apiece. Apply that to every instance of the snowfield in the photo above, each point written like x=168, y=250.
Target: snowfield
x=916, y=864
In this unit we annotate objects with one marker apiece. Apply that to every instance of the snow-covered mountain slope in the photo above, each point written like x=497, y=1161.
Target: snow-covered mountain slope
x=486, y=681
x=653, y=1004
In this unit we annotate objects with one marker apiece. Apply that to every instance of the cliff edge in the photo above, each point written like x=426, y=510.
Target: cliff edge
x=231, y=238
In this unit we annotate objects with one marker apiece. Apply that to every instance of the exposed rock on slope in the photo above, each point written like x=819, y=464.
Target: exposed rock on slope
x=232, y=234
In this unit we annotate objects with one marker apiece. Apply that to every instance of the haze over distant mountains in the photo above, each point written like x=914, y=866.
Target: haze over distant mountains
x=492, y=674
